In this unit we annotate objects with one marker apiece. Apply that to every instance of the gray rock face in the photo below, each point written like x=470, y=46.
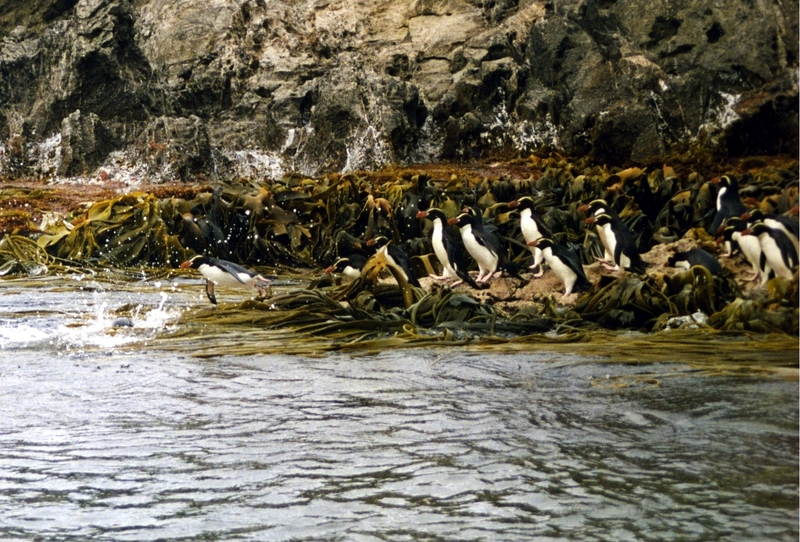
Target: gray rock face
x=172, y=89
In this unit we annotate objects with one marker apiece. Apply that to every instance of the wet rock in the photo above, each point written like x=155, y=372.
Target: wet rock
x=257, y=89
x=85, y=143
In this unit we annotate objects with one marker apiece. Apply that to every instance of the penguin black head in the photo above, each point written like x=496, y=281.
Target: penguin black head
x=756, y=229
x=599, y=220
x=196, y=261
x=378, y=242
x=727, y=181
x=595, y=206
x=432, y=214
x=542, y=243
x=463, y=219
x=525, y=202
x=753, y=215
x=356, y=261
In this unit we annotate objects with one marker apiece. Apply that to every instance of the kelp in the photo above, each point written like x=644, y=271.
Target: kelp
x=298, y=222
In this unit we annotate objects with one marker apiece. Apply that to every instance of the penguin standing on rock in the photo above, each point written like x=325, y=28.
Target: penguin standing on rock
x=749, y=246
x=728, y=201
x=777, y=248
x=482, y=244
x=448, y=247
x=533, y=228
x=225, y=274
x=564, y=263
x=596, y=208
x=781, y=222
x=619, y=242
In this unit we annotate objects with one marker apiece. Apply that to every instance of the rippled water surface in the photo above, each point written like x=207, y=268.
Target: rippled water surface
x=106, y=436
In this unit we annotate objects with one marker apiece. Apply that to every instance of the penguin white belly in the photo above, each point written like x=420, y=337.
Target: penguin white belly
x=441, y=253
x=487, y=261
x=530, y=231
x=611, y=245
x=751, y=248
x=608, y=255
x=351, y=273
x=222, y=278
x=774, y=256
x=562, y=270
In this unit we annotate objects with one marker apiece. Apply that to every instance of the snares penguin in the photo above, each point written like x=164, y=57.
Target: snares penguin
x=532, y=227
x=482, y=244
x=695, y=256
x=225, y=274
x=728, y=202
x=564, y=263
x=349, y=266
x=782, y=222
x=596, y=208
x=619, y=242
x=448, y=247
x=748, y=245
x=776, y=247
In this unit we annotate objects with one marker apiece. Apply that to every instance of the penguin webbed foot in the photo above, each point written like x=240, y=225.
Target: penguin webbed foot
x=540, y=272
x=264, y=287
x=210, y=292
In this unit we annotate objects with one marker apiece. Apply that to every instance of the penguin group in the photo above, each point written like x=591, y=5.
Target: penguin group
x=513, y=236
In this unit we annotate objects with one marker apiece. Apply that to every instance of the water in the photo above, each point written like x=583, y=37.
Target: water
x=104, y=435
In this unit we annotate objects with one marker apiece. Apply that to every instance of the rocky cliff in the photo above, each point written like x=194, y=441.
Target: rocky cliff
x=180, y=89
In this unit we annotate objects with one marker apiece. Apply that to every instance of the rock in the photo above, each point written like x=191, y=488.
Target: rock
x=85, y=143
x=255, y=88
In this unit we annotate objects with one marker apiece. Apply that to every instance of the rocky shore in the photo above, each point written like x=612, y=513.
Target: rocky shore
x=301, y=224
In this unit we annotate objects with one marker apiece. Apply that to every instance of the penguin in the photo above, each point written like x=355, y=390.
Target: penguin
x=776, y=247
x=448, y=247
x=395, y=258
x=596, y=208
x=783, y=222
x=728, y=202
x=482, y=244
x=619, y=242
x=695, y=256
x=564, y=263
x=350, y=266
x=532, y=227
x=749, y=246
x=226, y=274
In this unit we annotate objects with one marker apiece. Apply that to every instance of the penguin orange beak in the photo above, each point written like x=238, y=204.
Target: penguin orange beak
x=422, y=214
x=452, y=221
x=719, y=230
x=329, y=270
x=748, y=231
x=186, y=264
x=591, y=220
x=371, y=242
x=533, y=243
x=715, y=180
x=746, y=216
x=513, y=204
x=583, y=208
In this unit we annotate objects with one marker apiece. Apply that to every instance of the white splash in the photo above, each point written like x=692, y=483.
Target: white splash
x=255, y=164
